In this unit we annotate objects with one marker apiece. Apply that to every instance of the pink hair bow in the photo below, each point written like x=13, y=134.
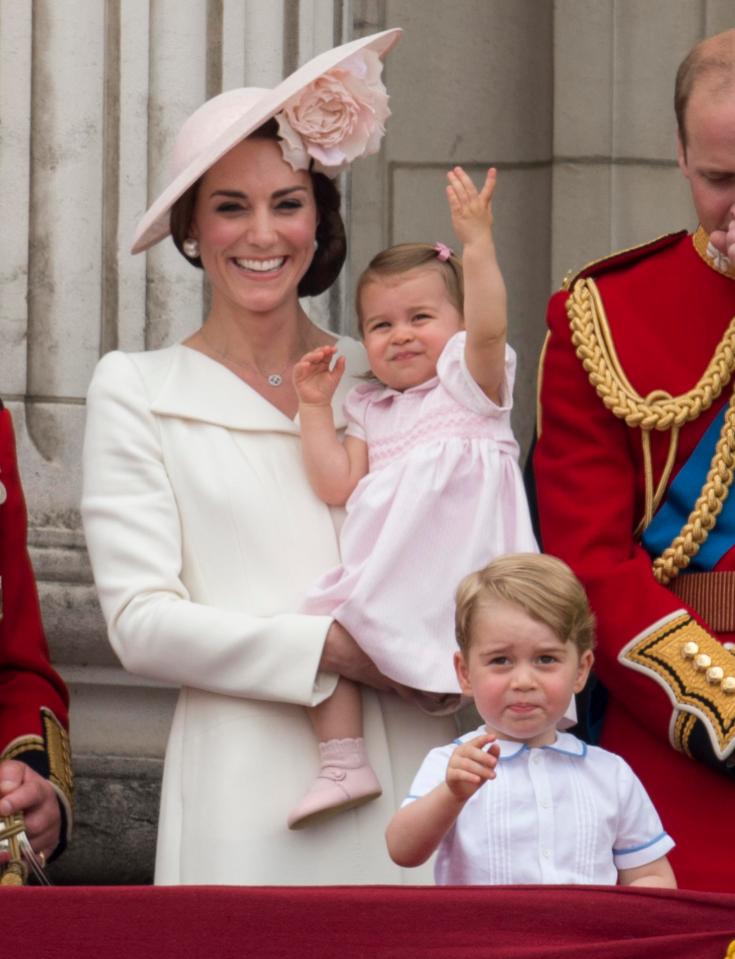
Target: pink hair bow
x=443, y=252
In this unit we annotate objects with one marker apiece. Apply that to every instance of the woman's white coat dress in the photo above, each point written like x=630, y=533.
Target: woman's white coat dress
x=204, y=536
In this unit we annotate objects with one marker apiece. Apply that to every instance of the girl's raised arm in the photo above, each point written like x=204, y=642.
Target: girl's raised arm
x=485, y=301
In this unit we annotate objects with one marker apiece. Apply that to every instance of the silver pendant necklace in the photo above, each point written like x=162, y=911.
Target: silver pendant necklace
x=272, y=379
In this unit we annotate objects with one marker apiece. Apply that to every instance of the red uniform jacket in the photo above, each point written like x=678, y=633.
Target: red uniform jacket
x=667, y=310
x=33, y=699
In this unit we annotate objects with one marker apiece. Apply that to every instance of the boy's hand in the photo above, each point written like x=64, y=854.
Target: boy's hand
x=470, y=765
x=471, y=212
x=313, y=380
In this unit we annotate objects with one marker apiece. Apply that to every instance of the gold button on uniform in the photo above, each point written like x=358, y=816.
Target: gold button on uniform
x=702, y=661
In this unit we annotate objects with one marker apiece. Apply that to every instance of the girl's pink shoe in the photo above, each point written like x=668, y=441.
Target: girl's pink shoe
x=345, y=780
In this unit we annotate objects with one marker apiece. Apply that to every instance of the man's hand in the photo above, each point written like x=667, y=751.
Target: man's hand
x=23, y=790
x=724, y=240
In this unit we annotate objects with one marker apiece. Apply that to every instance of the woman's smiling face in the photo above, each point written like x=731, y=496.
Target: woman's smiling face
x=255, y=219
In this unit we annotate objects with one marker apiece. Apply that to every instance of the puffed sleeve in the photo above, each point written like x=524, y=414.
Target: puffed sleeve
x=134, y=537
x=357, y=404
x=458, y=381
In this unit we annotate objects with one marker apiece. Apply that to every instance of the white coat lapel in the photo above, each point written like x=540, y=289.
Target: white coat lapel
x=196, y=387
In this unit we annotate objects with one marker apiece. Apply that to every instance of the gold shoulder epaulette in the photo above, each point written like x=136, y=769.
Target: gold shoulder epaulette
x=621, y=257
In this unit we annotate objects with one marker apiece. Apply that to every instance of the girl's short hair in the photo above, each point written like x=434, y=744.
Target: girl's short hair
x=542, y=586
x=411, y=256
x=331, y=250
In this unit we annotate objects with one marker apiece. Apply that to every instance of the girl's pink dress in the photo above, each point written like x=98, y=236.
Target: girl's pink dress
x=444, y=495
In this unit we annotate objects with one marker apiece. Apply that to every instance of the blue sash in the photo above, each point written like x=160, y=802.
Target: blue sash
x=679, y=502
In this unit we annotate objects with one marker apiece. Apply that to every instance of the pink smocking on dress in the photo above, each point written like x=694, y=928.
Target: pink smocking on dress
x=443, y=497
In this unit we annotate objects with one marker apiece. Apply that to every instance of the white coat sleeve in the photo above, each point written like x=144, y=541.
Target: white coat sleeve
x=133, y=533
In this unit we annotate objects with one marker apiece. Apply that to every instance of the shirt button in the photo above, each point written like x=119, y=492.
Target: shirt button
x=536, y=758
x=545, y=803
x=546, y=853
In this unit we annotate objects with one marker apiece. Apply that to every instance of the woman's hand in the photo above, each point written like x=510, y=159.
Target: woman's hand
x=342, y=655
x=24, y=790
x=315, y=383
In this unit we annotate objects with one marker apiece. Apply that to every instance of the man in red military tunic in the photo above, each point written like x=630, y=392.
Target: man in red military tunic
x=633, y=463
x=35, y=768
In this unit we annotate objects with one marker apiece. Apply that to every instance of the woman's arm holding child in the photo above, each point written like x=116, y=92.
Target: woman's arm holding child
x=334, y=468
x=657, y=873
x=417, y=829
x=485, y=300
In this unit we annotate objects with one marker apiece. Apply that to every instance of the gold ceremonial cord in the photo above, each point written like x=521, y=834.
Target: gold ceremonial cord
x=707, y=508
x=14, y=872
x=659, y=411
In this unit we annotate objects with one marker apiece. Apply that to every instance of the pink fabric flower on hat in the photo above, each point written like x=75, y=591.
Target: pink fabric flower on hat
x=338, y=117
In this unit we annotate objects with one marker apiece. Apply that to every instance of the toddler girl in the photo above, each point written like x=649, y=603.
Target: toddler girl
x=429, y=466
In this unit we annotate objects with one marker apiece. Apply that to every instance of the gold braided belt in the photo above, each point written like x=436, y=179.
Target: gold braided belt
x=659, y=411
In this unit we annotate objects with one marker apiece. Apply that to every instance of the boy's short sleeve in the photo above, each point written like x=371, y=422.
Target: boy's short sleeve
x=641, y=837
x=456, y=378
x=432, y=772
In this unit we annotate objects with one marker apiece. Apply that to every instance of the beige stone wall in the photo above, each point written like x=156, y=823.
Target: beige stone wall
x=570, y=99
x=615, y=180
x=471, y=83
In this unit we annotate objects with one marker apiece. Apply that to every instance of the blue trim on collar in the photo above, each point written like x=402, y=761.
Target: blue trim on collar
x=579, y=753
x=566, y=744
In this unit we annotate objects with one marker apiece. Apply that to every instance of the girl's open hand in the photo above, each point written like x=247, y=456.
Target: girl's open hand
x=471, y=765
x=313, y=380
x=471, y=212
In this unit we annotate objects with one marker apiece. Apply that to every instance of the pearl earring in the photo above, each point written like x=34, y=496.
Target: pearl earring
x=191, y=248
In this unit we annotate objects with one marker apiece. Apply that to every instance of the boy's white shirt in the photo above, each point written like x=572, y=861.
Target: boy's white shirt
x=568, y=813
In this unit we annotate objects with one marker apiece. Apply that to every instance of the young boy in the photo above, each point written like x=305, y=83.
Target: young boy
x=556, y=810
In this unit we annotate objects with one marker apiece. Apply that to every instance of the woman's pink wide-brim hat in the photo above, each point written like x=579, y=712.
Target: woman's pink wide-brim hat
x=225, y=120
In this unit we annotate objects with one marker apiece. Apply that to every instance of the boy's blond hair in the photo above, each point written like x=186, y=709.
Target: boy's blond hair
x=412, y=256
x=542, y=586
